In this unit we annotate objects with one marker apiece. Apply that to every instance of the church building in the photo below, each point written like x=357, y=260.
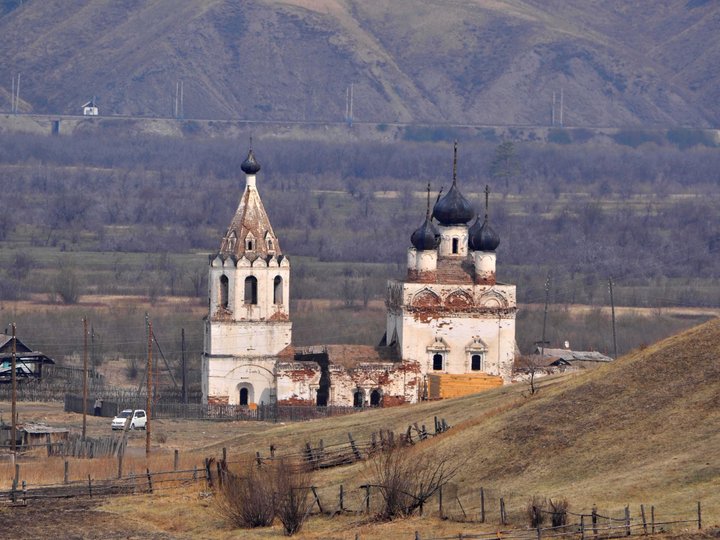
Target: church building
x=450, y=326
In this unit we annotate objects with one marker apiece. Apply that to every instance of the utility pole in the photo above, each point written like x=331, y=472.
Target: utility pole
x=547, y=297
x=13, y=366
x=184, y=367
x=12, y=97
x=561, y=106
x=182, y=99
x=148, y=406
x=85, y=376
x=552, y=122
x=612, y=311
x=177, y=95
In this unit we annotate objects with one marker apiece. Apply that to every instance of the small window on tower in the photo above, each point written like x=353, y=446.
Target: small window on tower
x=251, y=290
x=270, y=244
x=455, y=244
x=249, y=245
x=224, y=291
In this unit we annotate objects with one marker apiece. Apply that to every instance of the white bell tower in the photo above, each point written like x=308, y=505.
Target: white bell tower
x=248, y=322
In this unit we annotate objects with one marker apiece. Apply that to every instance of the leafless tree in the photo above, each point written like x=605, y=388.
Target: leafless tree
x=406, y=479
x=247, y=498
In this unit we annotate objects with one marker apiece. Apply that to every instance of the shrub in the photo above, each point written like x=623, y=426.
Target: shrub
x=536, y=511
x=292, y=493
x=247, y=500
x=406, y=480
x=559, y=512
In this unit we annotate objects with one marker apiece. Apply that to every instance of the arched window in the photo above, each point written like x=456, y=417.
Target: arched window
x=278, y=290
x=244, y=396
x=270, y=244
x=358, y=398
x=476, y=362
x=375, y=398
x=224, y=286
x=437, y=362
x=251, y=290
x=249, y=243
x=455, y=245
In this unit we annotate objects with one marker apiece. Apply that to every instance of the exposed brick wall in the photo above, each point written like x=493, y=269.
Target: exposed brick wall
x=218, y=400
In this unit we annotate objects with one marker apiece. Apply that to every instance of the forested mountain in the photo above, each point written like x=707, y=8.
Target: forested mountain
x=481, y=62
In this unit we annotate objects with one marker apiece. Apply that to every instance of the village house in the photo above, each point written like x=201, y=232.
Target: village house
x=450, y=325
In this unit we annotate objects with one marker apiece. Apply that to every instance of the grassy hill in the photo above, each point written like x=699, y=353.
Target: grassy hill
x=641, y=430
x=409, y=61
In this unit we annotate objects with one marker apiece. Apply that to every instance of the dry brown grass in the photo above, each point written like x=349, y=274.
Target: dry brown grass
x=641, y=430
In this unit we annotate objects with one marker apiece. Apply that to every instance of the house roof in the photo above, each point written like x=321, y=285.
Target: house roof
x=6, y=344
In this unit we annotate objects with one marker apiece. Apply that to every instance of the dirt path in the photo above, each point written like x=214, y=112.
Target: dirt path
x=76, y=518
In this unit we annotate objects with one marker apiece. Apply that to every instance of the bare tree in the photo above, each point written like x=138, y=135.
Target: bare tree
x=292, y=483
x=247, y=500
x=407, y=479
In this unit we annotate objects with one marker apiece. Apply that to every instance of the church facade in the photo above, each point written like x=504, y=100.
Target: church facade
x=450, y=326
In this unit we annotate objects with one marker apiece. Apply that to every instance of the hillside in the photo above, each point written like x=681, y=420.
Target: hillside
x=642, y=430
x=473, y=62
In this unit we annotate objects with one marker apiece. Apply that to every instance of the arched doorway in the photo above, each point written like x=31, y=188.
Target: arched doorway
x=246, y=394
x=476, y=362
x=358, y=398
x=375, y=398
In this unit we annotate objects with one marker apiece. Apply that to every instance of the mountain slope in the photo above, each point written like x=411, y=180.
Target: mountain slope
x=409, y=61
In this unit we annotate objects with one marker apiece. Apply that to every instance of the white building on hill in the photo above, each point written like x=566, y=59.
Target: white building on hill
x=450, y=325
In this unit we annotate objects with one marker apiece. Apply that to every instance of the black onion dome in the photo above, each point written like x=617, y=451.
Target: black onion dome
x=483, y=237
x=453, y=208
x=250, y=166
x=426, y=237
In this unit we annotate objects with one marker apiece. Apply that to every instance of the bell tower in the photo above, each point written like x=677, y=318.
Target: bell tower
x=248, y=320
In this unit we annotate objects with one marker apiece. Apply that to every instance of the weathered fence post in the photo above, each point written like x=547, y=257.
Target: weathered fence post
x=482, y=505
x=258, y=459
x=149, y=477
x=367, y=498
x=24, y=491
x=539, y=533
x=582, y=527
x=90, y=486
x=176, y=460
x=224, y=454
x=627, y=521
x=594, y=521
x=502, y=511
x=642, y=514
x=66, y=473
x=652, y=519
x=354, y=447
x=699, y=516
x=342, y=501
x=120, y=465
x=417, y=535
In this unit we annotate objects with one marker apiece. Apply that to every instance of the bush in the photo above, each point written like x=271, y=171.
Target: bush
x=66, y=285
x=536, y=511
x=559, y=512
x=292, y=492
x=248, y=500
x=407, y=480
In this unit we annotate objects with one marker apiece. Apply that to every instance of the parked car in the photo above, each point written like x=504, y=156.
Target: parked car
x=138, y=419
